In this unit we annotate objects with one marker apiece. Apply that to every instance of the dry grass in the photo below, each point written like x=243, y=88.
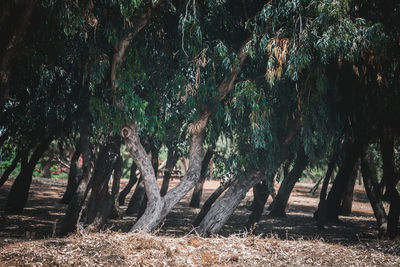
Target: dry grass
x=137, y=249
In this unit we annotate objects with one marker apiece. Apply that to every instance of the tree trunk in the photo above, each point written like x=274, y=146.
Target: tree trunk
x=278, y=206
x=73, y=213
x=387, y=150
x=352, y=154
x=223, y=208
x=19, y=191
x=321, y=213
x=207, y=205
x=260, y=193
x=158, y=207
x=100, y=203
x=370, y=178
x=74, y=175
x=198, y=189
x=10, y=169
x=132, y=181
x=118, y=170
x=347, y=197
x=136, y=199
x=172, y=158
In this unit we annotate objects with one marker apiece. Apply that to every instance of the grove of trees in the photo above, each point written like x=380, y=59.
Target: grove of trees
x=284, y=85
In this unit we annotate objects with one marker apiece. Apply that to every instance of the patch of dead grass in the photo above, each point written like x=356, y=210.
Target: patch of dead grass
x=134, y=249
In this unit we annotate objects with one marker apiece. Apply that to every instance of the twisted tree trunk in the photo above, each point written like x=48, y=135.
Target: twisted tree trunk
x=157, y=206
x=370, y=178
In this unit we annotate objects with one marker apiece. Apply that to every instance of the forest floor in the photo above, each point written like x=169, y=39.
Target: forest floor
x=29, y=238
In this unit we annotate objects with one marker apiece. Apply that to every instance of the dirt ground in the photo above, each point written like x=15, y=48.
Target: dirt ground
x=43, y=210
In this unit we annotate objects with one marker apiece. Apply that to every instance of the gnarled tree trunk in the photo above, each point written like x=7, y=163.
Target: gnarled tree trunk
x=370, y=178
x=198, y=189
x=278, y=206
x=158, y=207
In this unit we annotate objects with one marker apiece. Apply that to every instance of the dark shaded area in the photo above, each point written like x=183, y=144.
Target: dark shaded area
x=43, y=210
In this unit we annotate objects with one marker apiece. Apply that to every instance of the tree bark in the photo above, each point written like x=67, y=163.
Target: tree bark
x=321, y=213
x=223, y=208
x=198, y=189
x=352, y=154
x=387, y=150
x=136, y=199
x=278, y=206
x=74, y=175
x=132, y=181
x=172, y=158
x=210, y=201
x=370, y=178
x=260, y=196
x=100, y=203
x=347, y=197
x=19, y=191
x=118, y=171
x=73, y=213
